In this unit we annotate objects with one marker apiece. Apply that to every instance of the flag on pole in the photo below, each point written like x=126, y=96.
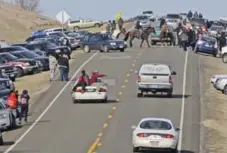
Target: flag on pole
x=118, y=16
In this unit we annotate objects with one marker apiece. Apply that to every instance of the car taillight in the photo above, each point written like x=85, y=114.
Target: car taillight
x=168, y=136
x=139, y=78
x=142, y=135
x=102, y=90
x=78, y=90
x=170, y=79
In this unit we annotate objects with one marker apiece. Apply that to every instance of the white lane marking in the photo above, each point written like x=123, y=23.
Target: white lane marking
x=179, y=147
x=49, y=106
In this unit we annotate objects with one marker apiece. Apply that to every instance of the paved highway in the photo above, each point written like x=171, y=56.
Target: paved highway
x=106, y=128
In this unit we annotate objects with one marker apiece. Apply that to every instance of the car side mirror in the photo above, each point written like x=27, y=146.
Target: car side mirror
x=177, y=129
x=173, y=73
x=133, y=127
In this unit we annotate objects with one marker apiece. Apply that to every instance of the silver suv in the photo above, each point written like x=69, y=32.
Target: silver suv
x=155, y=78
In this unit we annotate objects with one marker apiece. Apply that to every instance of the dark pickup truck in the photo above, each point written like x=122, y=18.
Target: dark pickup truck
x=9, y=70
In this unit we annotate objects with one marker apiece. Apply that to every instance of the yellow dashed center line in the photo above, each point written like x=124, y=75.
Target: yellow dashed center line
x=97, y=142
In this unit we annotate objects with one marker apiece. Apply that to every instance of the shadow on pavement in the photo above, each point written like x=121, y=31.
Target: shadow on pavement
x=15, y=128
x=165, y=96
x=30, y=123
x=182, y=151
x=109, y=101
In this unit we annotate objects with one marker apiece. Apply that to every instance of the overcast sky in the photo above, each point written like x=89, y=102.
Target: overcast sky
x=106, y=9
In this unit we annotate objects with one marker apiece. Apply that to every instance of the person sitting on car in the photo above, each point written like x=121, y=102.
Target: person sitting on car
x=94, y=76
x=82, y=81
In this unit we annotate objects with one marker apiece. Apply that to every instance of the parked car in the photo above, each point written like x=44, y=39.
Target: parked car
x=155, y=38
x=50, y=39
x=24, y=66
x=42, y=60
x=207, y=45
x=224, y=54
x=222, y=85
x=79, y=36
x=81, y=24
x=143, y=19
x=73, y=43
x=9, y=83
x=10, y=70
x=213, y=30
x=102, y=42
x=48, y=47
x=11, y=48
x=198, y=23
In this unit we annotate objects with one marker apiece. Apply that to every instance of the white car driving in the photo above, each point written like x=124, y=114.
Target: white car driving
x=95, y=92
x=155, y=134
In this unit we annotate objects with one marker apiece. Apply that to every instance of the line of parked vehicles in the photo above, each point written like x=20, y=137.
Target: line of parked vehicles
x=31, y=57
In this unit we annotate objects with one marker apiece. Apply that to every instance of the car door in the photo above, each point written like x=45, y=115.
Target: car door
x=93, y=40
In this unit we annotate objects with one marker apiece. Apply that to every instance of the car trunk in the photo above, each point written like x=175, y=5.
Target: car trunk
x=157, y=78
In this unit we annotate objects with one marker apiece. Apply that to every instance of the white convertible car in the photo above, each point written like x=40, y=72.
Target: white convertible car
x=155, y=134
x=96, y=92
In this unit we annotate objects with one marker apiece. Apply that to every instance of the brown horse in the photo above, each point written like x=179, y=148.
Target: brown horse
x=139, y=34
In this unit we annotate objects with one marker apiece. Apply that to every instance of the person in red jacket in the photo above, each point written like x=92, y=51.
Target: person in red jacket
x=82, y=81
x=12, y=100
x=94, y=76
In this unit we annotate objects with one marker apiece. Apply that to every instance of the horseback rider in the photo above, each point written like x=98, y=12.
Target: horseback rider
x=120, y=23
x=109, y=27
x=164, y=30
x=138, y=29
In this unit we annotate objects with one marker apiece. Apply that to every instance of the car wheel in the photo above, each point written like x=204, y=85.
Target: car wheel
x=97, y=25
x=105, y=48
x=225, y=90
x=224, y=58
x=76, y=28
x=1, y=141
x=173, y=151
x=136, y=149
x=140, y=94
x=215, y=54
x=20, y=72
x=86, y=49
x=170, y=94
x=13, y=79
x=153, y=42
x=122, y=50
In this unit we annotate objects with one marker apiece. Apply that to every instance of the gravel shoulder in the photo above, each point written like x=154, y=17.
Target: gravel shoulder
x=214, y=121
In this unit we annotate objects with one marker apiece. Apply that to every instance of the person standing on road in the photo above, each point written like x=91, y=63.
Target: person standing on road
x=24, y=101
x=52, y=66
x=12, y=104
x=63, y=65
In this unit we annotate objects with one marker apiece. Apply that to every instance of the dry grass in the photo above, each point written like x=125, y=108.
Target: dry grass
x=215, y=107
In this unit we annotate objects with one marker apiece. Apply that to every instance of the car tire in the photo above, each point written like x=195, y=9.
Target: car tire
x=140, y=94
x=225, y=90
x=74, y=101
x=86, y=49
x=1, y=141
x=153, y=42
x=170, y=94
x=76, y=28
x=224, y=58
x=105, y=48
x=215, y=54
x=97, y=25
x=135, y=149
x=13, y=79
x=173, y=151
x=122, y=50
x=20, y=72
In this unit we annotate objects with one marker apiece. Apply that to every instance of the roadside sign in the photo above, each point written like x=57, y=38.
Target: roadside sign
x=63, y=17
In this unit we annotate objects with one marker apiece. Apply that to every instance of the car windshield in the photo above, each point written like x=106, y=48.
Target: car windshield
x=50, y=45
x=60, y=34
x=216, y=28
x=198, y=21
x=3, y=84
x=142, y=17
x=107, y=37
x=208, y=39
x=155, y=125
x=173, y=16
x=147, y=12
x=27, y=54
x=8, y=57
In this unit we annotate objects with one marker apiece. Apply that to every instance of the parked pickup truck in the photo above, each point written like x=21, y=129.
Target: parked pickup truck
x=80, y=24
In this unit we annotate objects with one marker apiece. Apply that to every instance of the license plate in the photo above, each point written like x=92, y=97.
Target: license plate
x=121, y=46
x=12, y=75
x=153, y=86
x=154, y=143
x=208, y=45
x=90, y=90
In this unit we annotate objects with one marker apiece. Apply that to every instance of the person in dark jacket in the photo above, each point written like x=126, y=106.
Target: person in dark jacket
x=189, y=15
x=137, y=26
x=114, y=25
x=24, y=101
x=63, y=65
x=200, y=15
x=222, y=41
x=162, y=22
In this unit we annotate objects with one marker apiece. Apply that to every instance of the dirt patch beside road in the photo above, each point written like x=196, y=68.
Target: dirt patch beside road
x=215, y=108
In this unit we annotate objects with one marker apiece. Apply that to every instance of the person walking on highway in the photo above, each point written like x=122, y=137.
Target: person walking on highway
x=113, y=25
x=24, y=101
x=63, y=65
x=52, y=65
x=120, y=23
x=109, y=27
x=12, y=104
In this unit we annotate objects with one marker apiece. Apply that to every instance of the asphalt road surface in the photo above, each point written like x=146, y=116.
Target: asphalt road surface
x=106, y=128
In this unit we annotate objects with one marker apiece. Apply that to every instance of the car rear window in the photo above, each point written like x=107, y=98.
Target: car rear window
x=155, y=125
x=160, y=70
x=174, y=16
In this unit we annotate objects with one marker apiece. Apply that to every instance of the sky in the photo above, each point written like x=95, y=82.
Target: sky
x=106, y=9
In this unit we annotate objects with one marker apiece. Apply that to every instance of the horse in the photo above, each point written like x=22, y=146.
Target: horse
x=136, y=33
x=167, y=36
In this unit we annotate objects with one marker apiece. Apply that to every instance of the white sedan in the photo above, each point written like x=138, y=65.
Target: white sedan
x=155, y=134
x=216, y=77
x=96, y=92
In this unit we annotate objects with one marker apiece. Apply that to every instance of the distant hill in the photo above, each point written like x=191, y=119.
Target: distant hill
x=16, y=24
